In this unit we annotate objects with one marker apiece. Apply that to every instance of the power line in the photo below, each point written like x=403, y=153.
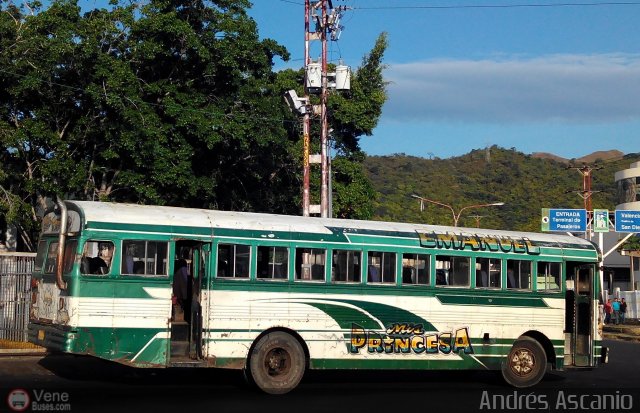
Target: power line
x=487, y=6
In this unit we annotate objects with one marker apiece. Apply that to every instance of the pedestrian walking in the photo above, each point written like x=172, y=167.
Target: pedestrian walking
x=623, y=311
x=616, y=311
x=608, y=309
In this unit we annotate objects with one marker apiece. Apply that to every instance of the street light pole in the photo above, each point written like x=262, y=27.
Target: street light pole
x=456, y=217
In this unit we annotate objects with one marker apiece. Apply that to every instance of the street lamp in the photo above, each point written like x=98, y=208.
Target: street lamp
x=456, y=217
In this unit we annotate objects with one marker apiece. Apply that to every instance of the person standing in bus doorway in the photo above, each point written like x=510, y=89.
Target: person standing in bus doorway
x=623, y=311
x=182, y=287
x=616, y=311
x=608, y=309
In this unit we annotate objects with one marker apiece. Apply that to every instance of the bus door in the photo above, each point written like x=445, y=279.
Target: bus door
x=187, y=317
x=200, y=263
x=579, y=322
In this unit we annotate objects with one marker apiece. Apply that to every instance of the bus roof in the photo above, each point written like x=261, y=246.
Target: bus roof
x=120, y=213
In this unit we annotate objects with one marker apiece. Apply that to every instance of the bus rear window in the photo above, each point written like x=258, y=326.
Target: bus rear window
x=50, y=263
x=42, y=253
x=69, y=255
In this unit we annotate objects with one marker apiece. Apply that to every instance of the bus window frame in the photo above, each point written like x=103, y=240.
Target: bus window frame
x=122, y=255
x=506, y=275
x=287, y=276
x=81, y=254
x=303, y=246
x=552, y=260
x=347, y=282
x=427, y=267
x=70, y=254
x=457, y=256
x=475, y=273
x=383, y=251
x=41, y=255
x=250, y=274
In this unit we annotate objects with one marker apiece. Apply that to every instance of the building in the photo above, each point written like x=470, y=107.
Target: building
x=625, y=268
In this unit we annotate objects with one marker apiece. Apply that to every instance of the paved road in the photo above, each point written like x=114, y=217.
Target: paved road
x=88, y=384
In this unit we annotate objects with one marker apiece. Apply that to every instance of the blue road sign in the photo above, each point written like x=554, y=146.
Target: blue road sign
x=566, y=220
x=627, y=221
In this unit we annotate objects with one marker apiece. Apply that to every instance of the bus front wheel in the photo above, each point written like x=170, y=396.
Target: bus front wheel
x=526, y=363
x=277, y=363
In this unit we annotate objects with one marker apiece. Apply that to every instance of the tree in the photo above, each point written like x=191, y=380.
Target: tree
x=169, y=102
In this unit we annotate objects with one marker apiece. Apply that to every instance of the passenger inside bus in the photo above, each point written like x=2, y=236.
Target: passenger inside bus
x=99, y=264
x=374, y=274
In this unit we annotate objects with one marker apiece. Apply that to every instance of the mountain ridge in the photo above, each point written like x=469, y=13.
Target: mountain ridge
x=523, y=182
x=594, y=157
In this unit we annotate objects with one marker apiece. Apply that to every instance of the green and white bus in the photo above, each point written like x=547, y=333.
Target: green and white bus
x=276, y=295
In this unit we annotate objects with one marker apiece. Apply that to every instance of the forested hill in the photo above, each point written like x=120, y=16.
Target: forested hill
x=525, y=183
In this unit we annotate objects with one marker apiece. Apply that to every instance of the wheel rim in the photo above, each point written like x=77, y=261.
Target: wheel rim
x=277, y=362
x=522, y=362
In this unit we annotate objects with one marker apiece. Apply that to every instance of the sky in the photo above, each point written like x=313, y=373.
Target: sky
x=535, y=75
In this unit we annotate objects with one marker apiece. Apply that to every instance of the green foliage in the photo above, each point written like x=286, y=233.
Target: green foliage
x=524, y=183
x=632, y=244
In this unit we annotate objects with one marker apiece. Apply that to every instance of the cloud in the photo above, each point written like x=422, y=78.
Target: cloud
x=558, y=88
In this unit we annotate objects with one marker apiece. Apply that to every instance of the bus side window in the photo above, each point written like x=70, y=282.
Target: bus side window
x=519, y=274
x=96, y=257
x=452, y=270
x=144, y=258
x=310, y=264
x=345, y=266
x=381, y=267
x=548, y=276
x=415, y=269
x=233, y=260
x=272, y=262
x=488, y=273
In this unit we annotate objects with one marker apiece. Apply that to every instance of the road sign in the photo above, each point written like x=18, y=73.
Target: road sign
x=566, y=220
x=600, y=220
x=627, y=221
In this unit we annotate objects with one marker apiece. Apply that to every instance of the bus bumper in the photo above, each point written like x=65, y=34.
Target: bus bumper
x=51, y=337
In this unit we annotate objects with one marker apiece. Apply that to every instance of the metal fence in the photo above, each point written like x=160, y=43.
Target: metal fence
x=15, y=294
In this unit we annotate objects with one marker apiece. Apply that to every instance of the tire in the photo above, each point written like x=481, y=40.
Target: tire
x=277, y=363
x=526, y=363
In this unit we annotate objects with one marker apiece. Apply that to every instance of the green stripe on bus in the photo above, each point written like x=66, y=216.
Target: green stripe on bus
x=389, y=314
x=486, y=300
x=346, y=316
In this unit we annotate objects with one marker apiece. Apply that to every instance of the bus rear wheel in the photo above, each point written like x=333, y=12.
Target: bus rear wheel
x=277, y=363
x=526, y=363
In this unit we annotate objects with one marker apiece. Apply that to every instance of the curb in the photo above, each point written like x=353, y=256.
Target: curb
x=7, y=352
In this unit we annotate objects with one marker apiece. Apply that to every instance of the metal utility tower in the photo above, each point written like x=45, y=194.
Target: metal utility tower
x=327, y=25
x=585, y=171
